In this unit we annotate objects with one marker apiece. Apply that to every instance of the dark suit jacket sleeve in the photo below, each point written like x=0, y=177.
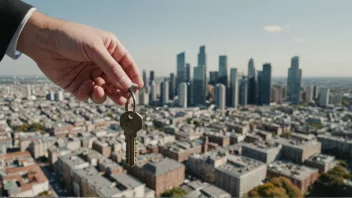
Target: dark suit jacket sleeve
x=11, y=14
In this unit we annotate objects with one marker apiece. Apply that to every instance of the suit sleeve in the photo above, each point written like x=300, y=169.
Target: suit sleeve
x=11, y=14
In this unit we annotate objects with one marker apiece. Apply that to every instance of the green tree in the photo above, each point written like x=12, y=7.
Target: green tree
x=277, y=187
x=109, y=115
x=343, y=163
x=36, y=127
x=175, y=192
x=209, y=177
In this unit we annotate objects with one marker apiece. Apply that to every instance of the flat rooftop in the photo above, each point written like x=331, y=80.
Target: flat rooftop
x=291, y=170
x=238, y=165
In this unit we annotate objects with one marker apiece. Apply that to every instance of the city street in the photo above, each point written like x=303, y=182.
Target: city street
x=55, y=186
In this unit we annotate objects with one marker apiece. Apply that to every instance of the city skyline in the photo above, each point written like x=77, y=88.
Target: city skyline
x=154, y=33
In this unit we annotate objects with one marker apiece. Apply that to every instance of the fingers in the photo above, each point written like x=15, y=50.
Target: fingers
x=111, y=68
x=98, y=95
x=84, y=90
x=126, y=61
x=117, y=97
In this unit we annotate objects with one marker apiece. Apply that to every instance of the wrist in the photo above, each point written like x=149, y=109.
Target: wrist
x=36, y=33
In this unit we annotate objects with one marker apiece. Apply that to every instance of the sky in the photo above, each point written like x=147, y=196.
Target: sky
x=154, y=31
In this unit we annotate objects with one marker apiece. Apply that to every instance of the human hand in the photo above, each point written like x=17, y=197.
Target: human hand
x=87, y=62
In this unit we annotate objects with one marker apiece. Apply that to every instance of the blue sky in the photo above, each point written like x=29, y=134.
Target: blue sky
x=154, y=31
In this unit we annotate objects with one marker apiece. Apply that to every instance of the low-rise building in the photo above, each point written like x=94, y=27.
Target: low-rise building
x=298, y=151
x=336, y=144
x=21, y=176
x=159, y=173
x=301, y=176
x=261, y=151
x=180, y=150
x=239, y=175
x=200, y=189
x=322, y=162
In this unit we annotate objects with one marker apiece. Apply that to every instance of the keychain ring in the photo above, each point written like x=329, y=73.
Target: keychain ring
x=130, y=94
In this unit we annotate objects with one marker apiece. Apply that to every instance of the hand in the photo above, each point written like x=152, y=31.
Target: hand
x=87, y=62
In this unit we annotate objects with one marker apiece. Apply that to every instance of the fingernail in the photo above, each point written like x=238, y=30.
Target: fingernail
x=125, y=82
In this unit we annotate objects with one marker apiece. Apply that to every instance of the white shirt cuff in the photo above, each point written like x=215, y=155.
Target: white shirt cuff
x=12, y=48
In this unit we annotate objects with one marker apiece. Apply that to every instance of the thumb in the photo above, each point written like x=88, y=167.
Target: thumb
x=111, y=68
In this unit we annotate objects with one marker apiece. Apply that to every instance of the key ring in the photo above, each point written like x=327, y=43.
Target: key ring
x=130, y=94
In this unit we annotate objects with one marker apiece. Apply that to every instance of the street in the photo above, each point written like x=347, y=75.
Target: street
x=55, y=185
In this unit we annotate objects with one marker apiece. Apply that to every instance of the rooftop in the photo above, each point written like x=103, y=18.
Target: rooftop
x=291, y=170
x=161, y=166
x=237, y=165
x=321, y=158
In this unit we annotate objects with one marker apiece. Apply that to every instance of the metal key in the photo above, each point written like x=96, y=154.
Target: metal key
x=131, y=123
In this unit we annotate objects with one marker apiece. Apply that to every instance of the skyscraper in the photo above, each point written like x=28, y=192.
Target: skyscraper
x=223, y=70
x=294, y=81
x=252, y=83
x=243, y=91
x=309, y=93
x=172, y=86
x=181, y=73
x=164, y=95
x=233, y=88
x=315, y=92
x=260, y=77
x=145, y=79
x=199, y=85
x=220, y=96
x=324, y=97
x=202, y=57
x=143, y=97
x=276, y=94
x=188, y=72
x=182, y=98
x=151, y=76
x=213, y=80
x=266, y=84
x=189, y=93
x=152, y=94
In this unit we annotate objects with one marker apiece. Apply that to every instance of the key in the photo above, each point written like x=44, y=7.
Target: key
x=131, y=123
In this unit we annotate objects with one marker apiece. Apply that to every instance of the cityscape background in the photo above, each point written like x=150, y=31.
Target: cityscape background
x=236, y=103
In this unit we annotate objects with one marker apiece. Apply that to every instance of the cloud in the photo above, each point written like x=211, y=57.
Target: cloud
x=299, y=40
x=273, y=28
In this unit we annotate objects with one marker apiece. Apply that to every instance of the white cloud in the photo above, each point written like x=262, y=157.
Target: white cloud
x=273, y=28
x=299, y=40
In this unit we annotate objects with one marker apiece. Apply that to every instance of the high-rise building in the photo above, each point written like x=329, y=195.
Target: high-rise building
x=309, y=93
x=164, y=95
x=284, y=91
x=189, y=93
x=152, y=94
x=223, y=70
x=276, y=94
x=172, y=86
x=28, y=91
x=151, y=76
x=220, y=96
x=294, y=81
x=59, y=95
x=181, y=73
x=199, y=85
x=145, y=79
x=213, y=80
x=188, y=72
x=266, y=84
x=324, y=96
x=252, y=83
x=243, y=91
x=260, y=74
x=234, y=91
x=315, y=92
x=143, y=97
x=202, y=57
x=182, y=96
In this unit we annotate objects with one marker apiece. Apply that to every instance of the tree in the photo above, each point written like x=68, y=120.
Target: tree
x=109, y=115
x=209, y=177
x=330, y=184
x=175, y=192
x=277, y=187
x=343, y=163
